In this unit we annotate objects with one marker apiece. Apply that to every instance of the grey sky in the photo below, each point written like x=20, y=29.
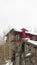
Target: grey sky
x=18, y=14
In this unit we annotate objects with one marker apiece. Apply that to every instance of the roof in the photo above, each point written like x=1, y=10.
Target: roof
x=32, y=33
x=25, y=39
x=30, y=41
x=17, y=31
x=24, y=29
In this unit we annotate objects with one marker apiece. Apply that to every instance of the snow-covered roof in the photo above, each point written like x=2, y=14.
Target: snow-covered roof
x=25, y=39
x=33, y=33
x=15, y=30
x=32, y=42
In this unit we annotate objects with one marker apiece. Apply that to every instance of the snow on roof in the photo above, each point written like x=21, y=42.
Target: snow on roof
x=33, y=33
x=32, y=42
x=25, y=39
x=15, y=30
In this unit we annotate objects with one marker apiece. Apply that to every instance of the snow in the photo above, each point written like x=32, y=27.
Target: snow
x=8, y=62
x=28, y=54
x=25, y=39
x=33, y=33
x=32, y=42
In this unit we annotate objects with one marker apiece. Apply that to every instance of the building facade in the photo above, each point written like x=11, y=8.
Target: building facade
x=19, y=50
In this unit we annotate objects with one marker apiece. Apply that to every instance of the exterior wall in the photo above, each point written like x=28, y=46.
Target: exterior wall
x=9, y=45
x=11, y=42
x=18, y=54
x=17, y=59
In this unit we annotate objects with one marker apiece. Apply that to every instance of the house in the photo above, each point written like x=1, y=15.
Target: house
x=21, y=47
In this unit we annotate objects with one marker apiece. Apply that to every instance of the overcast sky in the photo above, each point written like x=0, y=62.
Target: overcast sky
x=18, y=14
